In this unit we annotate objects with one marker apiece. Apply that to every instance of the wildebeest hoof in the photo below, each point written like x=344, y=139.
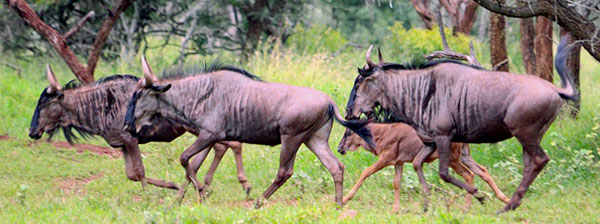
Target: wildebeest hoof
x=480, y=197
x=258, y=203
x=248, y=192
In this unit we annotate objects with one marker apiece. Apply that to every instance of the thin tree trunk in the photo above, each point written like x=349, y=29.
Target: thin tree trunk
x=483, y=25
x=498, y=42
x=467, y=17
x=573, y=67
x=543, y=48
x=422, y=8
x=527, y=36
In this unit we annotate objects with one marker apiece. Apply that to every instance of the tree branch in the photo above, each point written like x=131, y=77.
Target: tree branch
x=121, y=5
x=79, y=24
x=53, y=37
x=447, y=52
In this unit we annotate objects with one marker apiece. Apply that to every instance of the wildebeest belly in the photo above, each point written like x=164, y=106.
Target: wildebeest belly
x=488, y=132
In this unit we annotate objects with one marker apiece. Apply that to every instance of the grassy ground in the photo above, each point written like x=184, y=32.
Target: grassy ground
x=40, y=183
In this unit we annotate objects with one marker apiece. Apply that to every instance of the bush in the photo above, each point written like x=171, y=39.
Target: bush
x=404, y=45
x=317, y=39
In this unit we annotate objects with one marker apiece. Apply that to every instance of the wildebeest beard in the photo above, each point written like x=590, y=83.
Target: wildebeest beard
x=68, y=133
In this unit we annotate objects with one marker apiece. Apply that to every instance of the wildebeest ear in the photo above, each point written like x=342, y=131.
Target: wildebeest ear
x=365, y=72
x=161, y=88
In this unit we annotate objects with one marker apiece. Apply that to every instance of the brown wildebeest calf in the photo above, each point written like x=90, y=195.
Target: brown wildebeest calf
x=398, y=143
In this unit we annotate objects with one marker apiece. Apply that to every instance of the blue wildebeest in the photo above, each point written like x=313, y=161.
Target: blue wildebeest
x=234, y=105
x=446, y=101
x=99, y=109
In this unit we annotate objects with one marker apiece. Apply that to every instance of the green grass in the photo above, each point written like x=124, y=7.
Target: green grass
x=40, y=183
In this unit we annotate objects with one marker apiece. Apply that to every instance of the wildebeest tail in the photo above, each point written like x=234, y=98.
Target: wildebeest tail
x=568, y=90
x=357, y=126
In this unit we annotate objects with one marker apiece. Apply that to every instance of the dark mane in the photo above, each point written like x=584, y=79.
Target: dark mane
x=74, y=84
x=413, y=65
x=177, y=72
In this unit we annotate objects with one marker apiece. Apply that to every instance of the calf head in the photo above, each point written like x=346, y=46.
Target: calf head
x=144, y=105
x=350, y=142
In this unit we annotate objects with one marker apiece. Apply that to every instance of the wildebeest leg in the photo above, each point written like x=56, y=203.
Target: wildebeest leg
x=534, y=160
x=133, y=169
x=481, y=171
x=398, y=168
x=418, y=166
x=466, y=174
x=204, y=140
x=443, y=144
x=289, y=147
x=381, y=163
x=241, y=174
x=220, y=150
x=318, y=143
x=197, y=161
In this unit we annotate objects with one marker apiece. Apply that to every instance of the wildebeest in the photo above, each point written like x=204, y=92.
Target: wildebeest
x=398, y=143
x=234, y=105
x=446, y=101
x=99, y=109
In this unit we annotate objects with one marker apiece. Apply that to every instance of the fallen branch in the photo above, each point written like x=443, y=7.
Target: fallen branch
x=14, y=67
x=500, y=64
x=447, y=52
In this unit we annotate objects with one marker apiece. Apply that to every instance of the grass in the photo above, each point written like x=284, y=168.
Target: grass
x=40, y=183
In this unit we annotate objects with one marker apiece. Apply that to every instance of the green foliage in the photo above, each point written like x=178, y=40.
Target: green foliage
x=403, y=44
x=315, y=39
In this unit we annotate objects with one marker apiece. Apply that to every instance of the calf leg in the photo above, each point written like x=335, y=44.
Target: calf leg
x=380, y=164
x=466, y=174
x=418, y=166
x=241, y=174
x=397, y=186
x=534, y=160
x=481, y=171
x=444, y=150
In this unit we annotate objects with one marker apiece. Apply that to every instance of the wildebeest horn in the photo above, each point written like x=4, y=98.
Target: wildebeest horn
x=149, y=77
x=54, y=87
x=369, y=62
x=380, y=57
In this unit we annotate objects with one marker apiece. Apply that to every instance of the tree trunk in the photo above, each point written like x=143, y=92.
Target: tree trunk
x=422, y=8
x=497, y=42
x=573, y=66
x=543, y=48
x=527, y=34
x=467, y=17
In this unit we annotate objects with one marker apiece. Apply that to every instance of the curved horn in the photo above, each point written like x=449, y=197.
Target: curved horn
x=380, y=57
x=369, y=62
x=54, y=87
x=149, y=77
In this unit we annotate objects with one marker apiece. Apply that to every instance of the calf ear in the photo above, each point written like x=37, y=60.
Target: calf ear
x=161, y=88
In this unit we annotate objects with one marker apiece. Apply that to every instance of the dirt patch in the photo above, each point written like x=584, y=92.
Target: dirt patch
x=76, y=186
x=98, y=150
x=5, y=138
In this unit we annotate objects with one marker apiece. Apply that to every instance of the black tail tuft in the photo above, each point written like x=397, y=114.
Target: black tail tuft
x=357, y=126
x=566, y=79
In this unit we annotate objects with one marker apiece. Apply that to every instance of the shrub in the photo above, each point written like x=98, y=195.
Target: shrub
x=403, y=45
x=316, y=39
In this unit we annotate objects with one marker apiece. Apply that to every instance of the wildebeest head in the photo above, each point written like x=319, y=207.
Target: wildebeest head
x=144, y=104
x=366, y=93
x=49, y=109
